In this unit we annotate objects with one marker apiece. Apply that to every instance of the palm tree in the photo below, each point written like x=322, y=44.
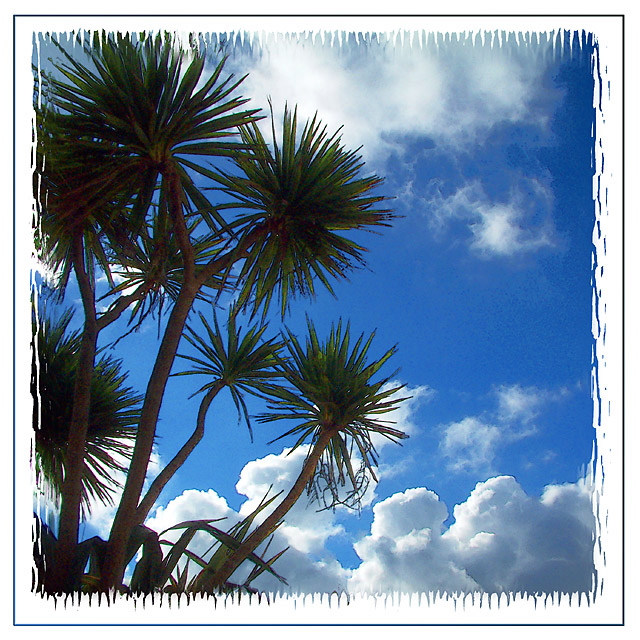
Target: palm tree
x=337, y=405
x=133, y=116
x=114, y=413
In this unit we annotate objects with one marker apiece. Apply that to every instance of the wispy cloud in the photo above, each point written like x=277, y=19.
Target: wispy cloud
x=471, y=444
x=497, y=228
x=524, y=404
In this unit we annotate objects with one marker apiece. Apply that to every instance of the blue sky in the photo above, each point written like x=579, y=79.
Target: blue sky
x=483, y=282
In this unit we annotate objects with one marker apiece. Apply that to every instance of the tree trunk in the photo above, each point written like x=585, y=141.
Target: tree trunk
x=126, y=516
x=263, y=531
x=71, y=493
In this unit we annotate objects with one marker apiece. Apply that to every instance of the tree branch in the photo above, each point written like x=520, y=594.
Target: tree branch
x=179, y=459
x=178, y=222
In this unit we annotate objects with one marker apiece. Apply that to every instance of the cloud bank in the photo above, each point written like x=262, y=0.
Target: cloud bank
x=502, y=540
x=499, y=539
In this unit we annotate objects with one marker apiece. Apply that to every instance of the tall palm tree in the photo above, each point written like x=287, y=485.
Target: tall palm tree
x=335, y=404
x=114, y=412
x=328, y=199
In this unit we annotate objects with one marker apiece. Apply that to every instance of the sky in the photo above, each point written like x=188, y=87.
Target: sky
x=483, y=282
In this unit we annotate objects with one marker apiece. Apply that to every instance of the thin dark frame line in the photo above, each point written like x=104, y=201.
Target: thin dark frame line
x=318, y=15
x=623, y=324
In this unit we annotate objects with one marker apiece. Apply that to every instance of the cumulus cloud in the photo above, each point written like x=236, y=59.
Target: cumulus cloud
x=509, y=541
x=501, y=541
x=306, y=565
x=304, y=529
x=405, y=550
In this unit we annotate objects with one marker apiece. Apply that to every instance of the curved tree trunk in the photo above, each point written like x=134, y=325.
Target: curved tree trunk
x=263, y=531
x=179, y=459
x=127, y=514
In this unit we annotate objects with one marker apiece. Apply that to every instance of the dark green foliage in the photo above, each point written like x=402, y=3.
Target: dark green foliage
x=297, y=199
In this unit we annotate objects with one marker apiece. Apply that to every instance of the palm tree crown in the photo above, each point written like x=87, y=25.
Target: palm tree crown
x=298, y=197
x=332, y=392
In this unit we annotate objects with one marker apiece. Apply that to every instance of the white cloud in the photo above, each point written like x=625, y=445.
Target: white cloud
x=501, y=540
x=519, y=403
x=470, y=444
x=305, y=565
x=509, y=541
x=304, y=529
x=405, y=550
x=497, y=228
x=451, y=93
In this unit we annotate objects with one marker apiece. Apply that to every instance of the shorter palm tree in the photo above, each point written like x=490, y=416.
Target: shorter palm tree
x=114, y=412
x=334, y=402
